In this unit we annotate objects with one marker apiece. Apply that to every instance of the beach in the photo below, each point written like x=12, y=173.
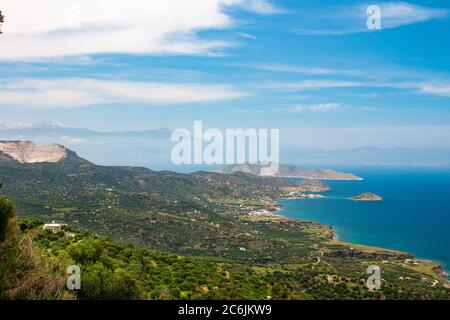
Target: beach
x=414, y=216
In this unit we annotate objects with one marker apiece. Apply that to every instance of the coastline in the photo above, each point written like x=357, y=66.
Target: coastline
x=324, y=179
x=439, y=270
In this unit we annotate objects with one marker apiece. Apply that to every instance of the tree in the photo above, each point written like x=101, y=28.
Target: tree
x=102, y=283
x=86, y=252
x=6, y=214
x=2, y=19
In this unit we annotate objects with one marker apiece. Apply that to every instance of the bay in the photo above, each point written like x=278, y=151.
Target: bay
x=414, y=216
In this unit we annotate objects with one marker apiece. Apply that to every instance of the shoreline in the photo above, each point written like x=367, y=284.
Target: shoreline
x=440, y=272
x=324, y=179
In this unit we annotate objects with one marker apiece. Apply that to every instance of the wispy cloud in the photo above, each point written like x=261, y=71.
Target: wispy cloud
x=395, y=14
x=434, y=89
x=245, y=35
x=318, y=84
x=316, y=108
x=72, y=93
x=51, y=28
x=285, y=68
x=420, y=87
x=261, y=7
x=324, y=108
x=352, y=19
x=73, y=139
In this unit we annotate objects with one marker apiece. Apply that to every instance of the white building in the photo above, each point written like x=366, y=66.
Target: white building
x=55, y=227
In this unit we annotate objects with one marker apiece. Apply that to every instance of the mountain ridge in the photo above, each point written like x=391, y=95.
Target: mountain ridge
x=206, y=214
x=290, y=171
x=152, y=147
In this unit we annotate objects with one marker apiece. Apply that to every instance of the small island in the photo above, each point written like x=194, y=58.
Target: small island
x=367, y=196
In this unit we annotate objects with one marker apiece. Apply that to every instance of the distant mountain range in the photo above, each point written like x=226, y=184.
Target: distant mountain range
x=428, y=157
x=289, y=171
x=152, y=148
x=147, y=148
x=57, y=129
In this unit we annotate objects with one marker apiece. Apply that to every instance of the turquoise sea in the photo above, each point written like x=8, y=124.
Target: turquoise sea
x=414, y=216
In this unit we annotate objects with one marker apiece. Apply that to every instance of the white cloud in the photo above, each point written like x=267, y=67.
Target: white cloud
x=261, y=7
x=48, y=28
x=73, y=140
x=423, y=87
x=317, y=84
x=296, y=69
x=352, y=19
x=72, y=93
x=325, y=107
x=434, y=89
x=395, y=14
x=316, y=108
x=246, y=35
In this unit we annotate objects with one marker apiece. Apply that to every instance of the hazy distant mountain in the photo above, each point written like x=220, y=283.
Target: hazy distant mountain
x=57, y=129
x=148, y=148
x=290, y=171
x=152, y=148
x=429, y=157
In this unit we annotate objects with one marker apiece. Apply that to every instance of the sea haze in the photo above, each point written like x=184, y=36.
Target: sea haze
x=414, y=216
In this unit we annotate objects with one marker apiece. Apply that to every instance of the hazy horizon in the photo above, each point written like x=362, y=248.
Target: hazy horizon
x=311, y=69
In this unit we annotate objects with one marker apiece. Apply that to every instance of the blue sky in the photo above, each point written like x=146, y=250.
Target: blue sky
x=301, y=66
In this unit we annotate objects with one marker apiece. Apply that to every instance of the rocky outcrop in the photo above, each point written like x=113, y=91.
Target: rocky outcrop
x=367, y=196
x=27, y=152
x=310, y=185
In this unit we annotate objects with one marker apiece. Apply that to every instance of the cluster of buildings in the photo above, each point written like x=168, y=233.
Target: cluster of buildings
x=262, y=212
x=299, y=195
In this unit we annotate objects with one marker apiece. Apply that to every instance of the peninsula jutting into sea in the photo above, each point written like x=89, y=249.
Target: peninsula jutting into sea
x=290, y=171
x=231, y=217
x=236, y=150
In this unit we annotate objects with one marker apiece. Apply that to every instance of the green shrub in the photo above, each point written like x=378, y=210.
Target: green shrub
x=6, y=214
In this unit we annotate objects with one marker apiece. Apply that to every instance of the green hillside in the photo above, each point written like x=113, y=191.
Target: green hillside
x=164, y=235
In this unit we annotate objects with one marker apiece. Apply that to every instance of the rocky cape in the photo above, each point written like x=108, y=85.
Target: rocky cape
x=311, y=185
x=290, y=171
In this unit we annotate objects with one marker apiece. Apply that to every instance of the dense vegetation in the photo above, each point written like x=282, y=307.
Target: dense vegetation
x=140, y=234
x=6, y=213
x=162, y=210
x=115, y=271
x=26, y=272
